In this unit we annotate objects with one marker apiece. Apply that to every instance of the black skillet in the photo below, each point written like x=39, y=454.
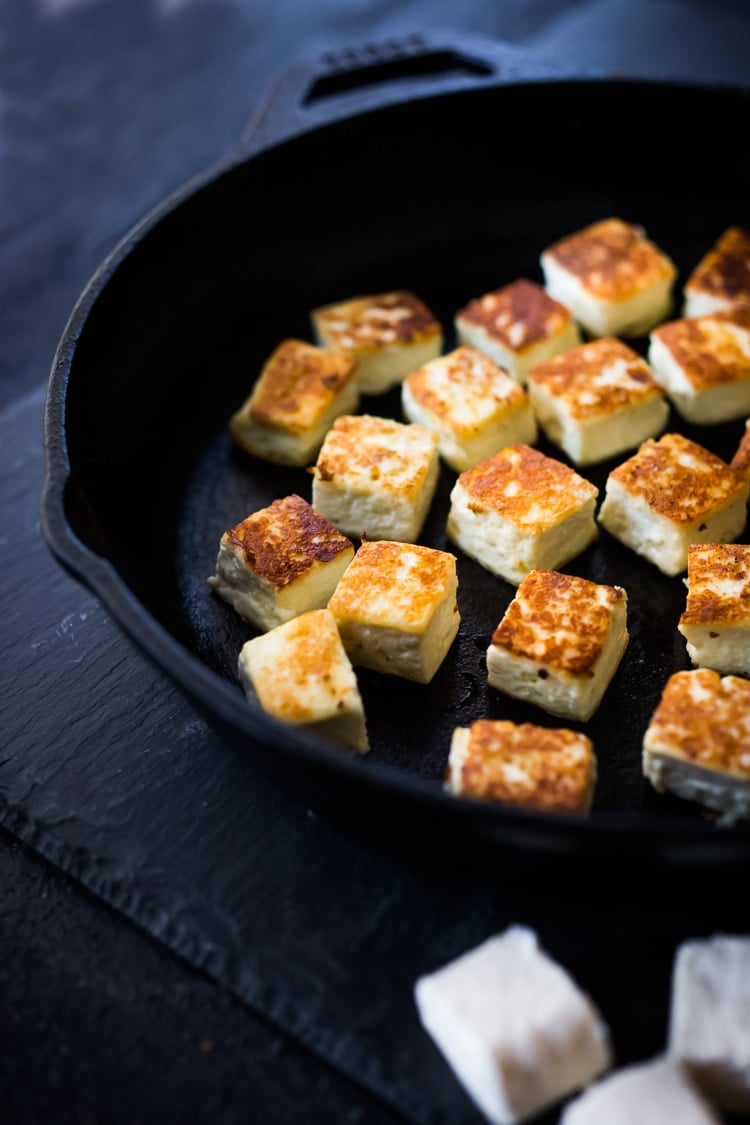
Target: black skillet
x=445, y=170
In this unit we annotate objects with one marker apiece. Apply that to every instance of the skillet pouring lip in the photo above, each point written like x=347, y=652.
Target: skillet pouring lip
x=615, y=830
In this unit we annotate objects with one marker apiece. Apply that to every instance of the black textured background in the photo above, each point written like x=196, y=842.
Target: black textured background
x=290, y=998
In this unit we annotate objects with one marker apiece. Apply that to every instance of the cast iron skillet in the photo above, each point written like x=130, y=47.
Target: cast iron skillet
x=442, y=170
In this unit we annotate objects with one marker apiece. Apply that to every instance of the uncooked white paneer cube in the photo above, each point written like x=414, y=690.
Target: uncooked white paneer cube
x=697, y=744
x=515, y=1028
x=301, y=390
x=597, y=400
x=388, y=335
x=559, y=643
x=613, y=280
x=669, y=494
x=517, y=326
x=375, y=478
x=396, y=609
x=474, y=407
x=716, y=619
x=299, y=672
x=522, y=764
x=519, y=510
x=703, y=363
x=741, y=459
x=708, y=1025
x=658, y=1092
x=721, y=280
x=279, y=562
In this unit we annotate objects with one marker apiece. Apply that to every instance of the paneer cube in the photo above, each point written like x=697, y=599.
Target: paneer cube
x=721, y=280
x=716, y=619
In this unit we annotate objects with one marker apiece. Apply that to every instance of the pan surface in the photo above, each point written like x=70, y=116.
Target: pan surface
x=449, y=196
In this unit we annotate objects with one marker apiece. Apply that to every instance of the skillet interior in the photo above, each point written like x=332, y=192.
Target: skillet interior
x=449, y=196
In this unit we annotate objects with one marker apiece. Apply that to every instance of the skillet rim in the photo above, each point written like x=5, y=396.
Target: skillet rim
x=269, y=737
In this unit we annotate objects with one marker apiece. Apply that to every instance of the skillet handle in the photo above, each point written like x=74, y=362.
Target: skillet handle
x=310, y=93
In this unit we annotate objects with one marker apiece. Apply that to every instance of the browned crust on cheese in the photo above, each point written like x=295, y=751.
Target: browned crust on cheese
x=298, y=381
x=572, y=376
x=676, y=491
x=371, y=322
x=542, y=482
x=558, y=620
x=373, y=588
x=557, y=766
x=708, y=565
x=519, y=315
x=314, y=656
x=612, y=259
x=470, y=373
x=741, y=459
x=725, y=270
x=367, y=442
x=283, y=541
x=709, y=726
x=708, y=353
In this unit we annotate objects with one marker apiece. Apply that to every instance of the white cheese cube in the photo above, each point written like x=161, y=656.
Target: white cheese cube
x=703, y=363
x=396, y=609
x=597, y=400
x=518, y=326
x=721, y=280
x=279, y=562
x=514, y=1027
x=474, y=407
x=708, y=1026
x=388, y=335
x=522, y=764
x=651, y=1093
x=741, y=459
x=299, y=672
x=669, y=494
x=301, y=390
x=716, y=619
x=375, y=478
x=559, y=643
x=697, y=744
x=613, y=280
x=519, y=510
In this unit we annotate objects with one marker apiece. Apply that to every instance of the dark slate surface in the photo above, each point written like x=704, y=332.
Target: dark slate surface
x=106, y=107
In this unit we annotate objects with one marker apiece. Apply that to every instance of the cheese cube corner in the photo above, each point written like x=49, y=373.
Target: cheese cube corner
x=388, y=335
x=376, y=478
x=524, y=765
x=520, y=510
x=708, y=1029
x=396, y=608
x=513, y=1025
x=597, y=400
x=299, y=672
x=473, y=406
x=301, y=390
x=669, y=494
x=559, y=643
x=281, y=561
x=613, y=280
x=518, y=326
